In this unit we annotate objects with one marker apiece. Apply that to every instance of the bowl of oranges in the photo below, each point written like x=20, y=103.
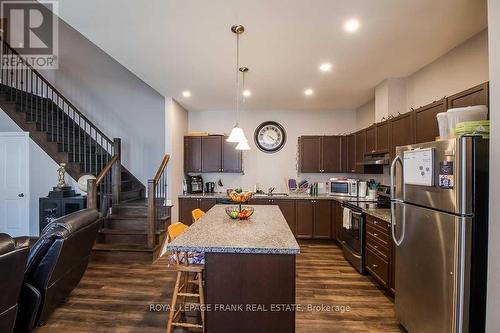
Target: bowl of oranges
x=239, y=196
x=239, y=212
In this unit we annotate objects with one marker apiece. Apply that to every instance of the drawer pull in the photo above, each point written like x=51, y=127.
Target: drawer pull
x=374, y=265
x=375, y=246
x=375, y=234
x=375, y=222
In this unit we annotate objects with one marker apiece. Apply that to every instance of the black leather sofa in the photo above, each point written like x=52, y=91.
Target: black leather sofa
x=13, y=255
x=56, y=263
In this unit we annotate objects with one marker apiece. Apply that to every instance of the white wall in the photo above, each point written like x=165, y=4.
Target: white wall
x=176, y=124
x=365, y=115
x=271, y=169
x=493, y=305
x=115, y=100
x=43, y=173
x=463, y=67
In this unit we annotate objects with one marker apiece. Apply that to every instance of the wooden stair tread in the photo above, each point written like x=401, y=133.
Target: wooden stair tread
x=124, y=247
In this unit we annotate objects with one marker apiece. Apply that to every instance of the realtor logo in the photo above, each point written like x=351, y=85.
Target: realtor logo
x=31, y=29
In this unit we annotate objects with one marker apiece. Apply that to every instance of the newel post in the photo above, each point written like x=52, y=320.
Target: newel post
x=116, y=171
x=151, y=213
x=91, y=194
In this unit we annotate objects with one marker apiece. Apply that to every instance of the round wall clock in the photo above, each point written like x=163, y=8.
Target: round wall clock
x=270, y=136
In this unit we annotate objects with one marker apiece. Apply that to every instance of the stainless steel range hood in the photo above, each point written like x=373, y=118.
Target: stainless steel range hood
x=376, y=158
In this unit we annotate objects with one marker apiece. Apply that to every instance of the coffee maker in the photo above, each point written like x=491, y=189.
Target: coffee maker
x=194, y=184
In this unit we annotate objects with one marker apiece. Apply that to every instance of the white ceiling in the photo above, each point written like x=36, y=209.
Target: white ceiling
x=175, y=45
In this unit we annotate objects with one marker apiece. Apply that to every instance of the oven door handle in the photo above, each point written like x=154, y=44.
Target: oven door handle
x=356, y=213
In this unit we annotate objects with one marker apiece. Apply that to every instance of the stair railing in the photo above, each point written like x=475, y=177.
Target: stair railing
x=104, y=191
x=53, y=113
x=157, y=202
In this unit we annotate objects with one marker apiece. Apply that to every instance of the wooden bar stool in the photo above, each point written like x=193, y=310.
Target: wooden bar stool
x=188, y=274
x=197, y=214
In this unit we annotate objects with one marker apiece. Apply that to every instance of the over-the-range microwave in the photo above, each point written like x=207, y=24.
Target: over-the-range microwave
x=343, y=187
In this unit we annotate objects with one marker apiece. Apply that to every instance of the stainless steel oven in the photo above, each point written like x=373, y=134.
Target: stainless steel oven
x=353, y=234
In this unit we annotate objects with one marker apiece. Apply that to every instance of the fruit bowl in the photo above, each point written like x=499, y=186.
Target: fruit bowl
x=239, y=212
x=240, y=196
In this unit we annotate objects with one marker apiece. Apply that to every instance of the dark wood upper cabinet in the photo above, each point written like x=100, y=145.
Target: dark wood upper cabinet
x=331, y=153
x=351, y=153
x=231, y=158
x=304, y=218
x=426, y=125
x=402, y=131
x=211, y=154
x=370, y=140
x=322, y=219
x=211, y=147
x=360, y=150
x=382, y=136
x=192, y=154
x=478, y=95
x=343, y=154
x=310, y=153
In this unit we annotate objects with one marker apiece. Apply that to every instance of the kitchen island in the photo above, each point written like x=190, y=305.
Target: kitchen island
x=249, y=270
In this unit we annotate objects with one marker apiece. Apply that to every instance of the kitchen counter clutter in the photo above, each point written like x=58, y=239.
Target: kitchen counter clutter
x=381, y=213
x=265, y=232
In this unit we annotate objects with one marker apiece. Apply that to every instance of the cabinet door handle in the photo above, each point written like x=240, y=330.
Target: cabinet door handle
x=375, y=247
x=375, y=234
x=375, y=222
x=374, y=265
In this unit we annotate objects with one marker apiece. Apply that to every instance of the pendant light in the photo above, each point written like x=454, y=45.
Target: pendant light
x=243, y=144
x=237, y=135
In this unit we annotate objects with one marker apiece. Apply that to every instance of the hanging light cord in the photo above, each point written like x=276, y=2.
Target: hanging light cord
x=237, y=77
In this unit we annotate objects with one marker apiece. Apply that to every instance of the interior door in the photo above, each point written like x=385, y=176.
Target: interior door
x=14, y=186
x=428, y=273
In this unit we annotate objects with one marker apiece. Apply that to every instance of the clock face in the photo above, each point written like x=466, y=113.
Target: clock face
x=270, y=136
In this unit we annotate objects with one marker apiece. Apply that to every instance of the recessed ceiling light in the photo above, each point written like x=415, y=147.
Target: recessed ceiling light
x=186, y=93
x=308, y=92
x=247, y=93
x=351, y=25
x=325, y=67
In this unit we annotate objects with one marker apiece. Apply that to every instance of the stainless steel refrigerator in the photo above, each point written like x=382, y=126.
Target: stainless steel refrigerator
x=439, y=207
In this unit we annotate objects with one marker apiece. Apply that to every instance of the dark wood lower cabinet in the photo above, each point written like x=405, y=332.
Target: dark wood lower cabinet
x=304, y=218
x=322, y=219
x=187, y=205
x=379, y=259
x=337, y=220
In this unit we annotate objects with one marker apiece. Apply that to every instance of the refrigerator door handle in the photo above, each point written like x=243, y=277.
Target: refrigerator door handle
x=398, y=242
x=395, y=200
x=393, y=176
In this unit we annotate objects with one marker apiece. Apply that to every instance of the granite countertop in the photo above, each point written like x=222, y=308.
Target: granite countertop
x=381, y=213
x=265, y=232
x=223, y=195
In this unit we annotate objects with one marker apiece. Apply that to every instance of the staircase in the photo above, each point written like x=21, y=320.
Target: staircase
x=133, y=227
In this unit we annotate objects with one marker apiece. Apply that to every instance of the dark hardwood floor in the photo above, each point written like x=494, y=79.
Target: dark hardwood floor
x=117, y=297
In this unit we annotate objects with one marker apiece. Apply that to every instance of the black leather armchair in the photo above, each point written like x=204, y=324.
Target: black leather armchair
x=13, y=255
x=56, y=263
